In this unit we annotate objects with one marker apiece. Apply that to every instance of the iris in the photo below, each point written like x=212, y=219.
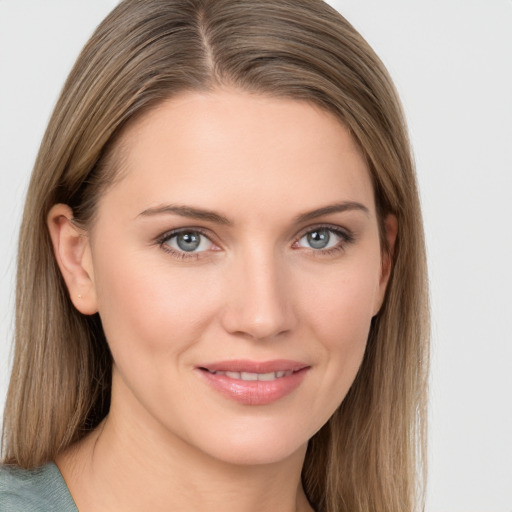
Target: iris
x=319, y=239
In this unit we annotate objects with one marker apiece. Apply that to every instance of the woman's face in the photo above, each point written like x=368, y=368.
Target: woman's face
x=236, y=266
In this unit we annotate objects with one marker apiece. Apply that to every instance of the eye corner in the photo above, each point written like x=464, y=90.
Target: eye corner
x=195, y=244
x=332, y=239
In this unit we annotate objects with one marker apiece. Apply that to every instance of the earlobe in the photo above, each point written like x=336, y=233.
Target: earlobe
x=73, y=254
x=390, y=231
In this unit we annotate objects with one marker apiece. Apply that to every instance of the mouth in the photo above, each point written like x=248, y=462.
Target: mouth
x=249, y=376
x=254, y=383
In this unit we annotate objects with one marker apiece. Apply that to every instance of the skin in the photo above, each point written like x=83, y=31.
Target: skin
x=255, y=289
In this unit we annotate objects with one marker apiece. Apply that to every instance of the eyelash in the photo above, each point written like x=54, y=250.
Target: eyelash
x=182, y=255
x=346, y=238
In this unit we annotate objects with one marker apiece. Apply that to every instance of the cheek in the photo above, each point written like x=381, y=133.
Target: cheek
x=340, y=302
x=345, y=327
x=150, y=309
x=339, y=316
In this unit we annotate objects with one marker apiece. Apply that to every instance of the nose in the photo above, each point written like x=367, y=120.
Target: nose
x=259, y=303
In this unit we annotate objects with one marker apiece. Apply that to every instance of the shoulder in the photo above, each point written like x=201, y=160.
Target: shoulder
x=34, y=490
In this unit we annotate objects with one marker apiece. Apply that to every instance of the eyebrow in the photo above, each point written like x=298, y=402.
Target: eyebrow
x=187, y=211
x=211, y=216
x=332, y=208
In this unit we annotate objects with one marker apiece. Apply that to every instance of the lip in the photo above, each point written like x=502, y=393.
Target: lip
x=254, y=392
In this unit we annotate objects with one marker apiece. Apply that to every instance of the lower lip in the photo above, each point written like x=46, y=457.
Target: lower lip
x=254, y=392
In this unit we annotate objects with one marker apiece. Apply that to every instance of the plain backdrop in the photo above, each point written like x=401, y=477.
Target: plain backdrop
x=452, y=64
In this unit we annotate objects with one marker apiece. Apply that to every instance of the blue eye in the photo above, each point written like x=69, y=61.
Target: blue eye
x=321, y=238
x=188, y=241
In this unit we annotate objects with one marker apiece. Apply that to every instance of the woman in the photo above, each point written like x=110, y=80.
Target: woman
x=221, y=280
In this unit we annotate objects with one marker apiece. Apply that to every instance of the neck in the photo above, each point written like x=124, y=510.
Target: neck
x=132, y=466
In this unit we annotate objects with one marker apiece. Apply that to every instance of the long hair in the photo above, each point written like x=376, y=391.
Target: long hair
x=370, y=454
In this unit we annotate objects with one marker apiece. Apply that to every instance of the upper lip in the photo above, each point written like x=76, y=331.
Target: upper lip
x=245, y=365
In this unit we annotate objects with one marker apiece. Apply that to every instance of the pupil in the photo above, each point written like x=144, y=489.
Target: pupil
x=188, y=241
x=319, y=239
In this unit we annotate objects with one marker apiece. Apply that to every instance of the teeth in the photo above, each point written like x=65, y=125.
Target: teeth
x=268, y=376
x=248, y=376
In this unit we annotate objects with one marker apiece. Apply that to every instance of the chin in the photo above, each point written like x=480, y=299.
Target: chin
x=259, y=453
x=254, y=446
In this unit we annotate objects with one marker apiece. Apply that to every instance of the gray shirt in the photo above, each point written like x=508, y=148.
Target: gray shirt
x=36, y=490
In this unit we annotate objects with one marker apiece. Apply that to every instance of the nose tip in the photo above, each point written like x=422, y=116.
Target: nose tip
x=259, y=306
x=259, y=325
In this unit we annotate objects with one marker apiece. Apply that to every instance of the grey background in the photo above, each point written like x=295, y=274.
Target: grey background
x=452, y=63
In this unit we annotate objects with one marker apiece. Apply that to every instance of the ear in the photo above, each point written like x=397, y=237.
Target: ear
x=73, y=254
x=390, y=232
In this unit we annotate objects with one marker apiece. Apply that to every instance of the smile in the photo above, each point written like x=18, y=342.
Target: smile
x=248, y=376
x=254, y=383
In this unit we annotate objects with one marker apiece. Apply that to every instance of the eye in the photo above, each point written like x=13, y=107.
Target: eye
x=188, y=241
x=324, y=238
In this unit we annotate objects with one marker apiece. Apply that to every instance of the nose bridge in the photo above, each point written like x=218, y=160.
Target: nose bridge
x=259, y=304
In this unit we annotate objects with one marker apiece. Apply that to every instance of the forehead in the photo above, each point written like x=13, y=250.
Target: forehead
x=228, y=146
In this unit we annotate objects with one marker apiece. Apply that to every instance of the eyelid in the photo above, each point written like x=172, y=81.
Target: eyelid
x=194, y=229
x=167, y=235
x=345, y=233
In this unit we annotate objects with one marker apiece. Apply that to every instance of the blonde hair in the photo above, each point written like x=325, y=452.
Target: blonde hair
x=370, y=455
